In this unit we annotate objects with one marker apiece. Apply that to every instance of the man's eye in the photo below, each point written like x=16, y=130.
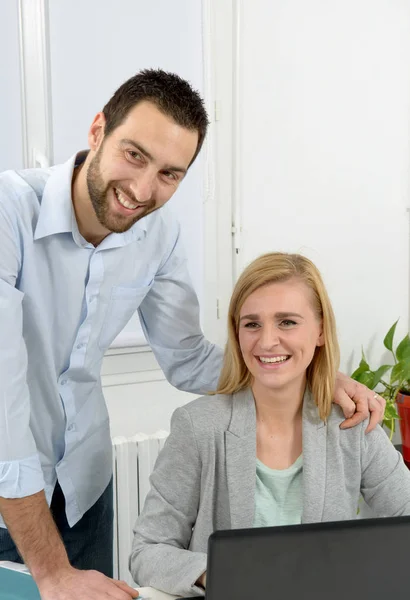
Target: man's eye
x=169, y=175
x=135, y=155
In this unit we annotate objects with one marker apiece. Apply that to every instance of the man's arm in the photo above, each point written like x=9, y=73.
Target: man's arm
x=169, y=316
x=32, y=528
x=22, y=501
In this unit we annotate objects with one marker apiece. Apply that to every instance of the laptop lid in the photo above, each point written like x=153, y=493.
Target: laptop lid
x=355, y=560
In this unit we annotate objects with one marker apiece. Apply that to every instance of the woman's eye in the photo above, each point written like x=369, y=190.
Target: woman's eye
x=288, y=323
x=251, y=325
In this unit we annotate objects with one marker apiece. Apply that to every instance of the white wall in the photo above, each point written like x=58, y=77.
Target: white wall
x=144, y=407
x=324, y=100
x=139, y=399
x=11, y=147
x=313, y=108
x=94, y=48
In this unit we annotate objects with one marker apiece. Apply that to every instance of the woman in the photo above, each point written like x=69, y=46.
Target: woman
x=268, y=450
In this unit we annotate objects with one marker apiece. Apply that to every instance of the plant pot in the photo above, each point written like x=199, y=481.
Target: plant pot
x=403, y=408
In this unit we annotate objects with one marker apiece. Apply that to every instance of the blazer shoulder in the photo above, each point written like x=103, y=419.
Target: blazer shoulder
x=215, y=411
x=350, y=438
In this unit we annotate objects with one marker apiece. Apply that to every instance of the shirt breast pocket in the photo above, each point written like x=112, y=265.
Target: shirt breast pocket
x=123, y=304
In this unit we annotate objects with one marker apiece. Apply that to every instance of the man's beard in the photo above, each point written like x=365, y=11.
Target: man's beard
x=98, y=192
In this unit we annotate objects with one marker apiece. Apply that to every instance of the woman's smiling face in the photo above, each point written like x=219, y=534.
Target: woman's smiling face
x=278, y=333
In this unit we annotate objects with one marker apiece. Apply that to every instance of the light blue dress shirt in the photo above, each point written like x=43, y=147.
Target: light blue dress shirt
x=62, y=302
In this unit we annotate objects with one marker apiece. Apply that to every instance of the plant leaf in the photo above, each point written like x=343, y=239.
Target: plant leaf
x=397, y=373
x=367, y=378
x=388, y=340
x=390, y=411
x=361, y=368
x=364, y=361
x=358, y=372
x=379, y=373
x=388, y=423
x=402, y=373
x=403, y=349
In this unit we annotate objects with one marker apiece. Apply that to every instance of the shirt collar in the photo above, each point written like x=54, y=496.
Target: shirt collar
x=57, y=213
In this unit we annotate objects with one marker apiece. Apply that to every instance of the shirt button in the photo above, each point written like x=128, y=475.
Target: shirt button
x=71, y=427
x=63, y=381
x=79, y=346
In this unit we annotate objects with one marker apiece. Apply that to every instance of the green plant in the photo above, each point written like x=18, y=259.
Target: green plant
x=389, y=379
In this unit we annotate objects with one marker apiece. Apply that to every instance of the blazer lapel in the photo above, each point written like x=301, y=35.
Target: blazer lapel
x=314, y=462
x=240, y=445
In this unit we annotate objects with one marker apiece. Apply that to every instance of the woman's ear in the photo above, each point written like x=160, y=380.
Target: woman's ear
x=321, y=338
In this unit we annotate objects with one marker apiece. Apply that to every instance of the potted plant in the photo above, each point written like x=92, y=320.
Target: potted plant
x=393, y=383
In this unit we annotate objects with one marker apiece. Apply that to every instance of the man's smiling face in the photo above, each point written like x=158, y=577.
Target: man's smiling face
x=138, y=166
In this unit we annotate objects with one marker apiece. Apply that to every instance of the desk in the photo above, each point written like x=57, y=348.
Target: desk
x=147, y=593
x=152, y=594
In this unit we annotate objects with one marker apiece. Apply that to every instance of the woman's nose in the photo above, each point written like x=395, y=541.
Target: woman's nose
x=269, y=338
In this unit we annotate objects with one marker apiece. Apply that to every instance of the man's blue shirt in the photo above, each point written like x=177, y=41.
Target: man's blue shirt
x=62, y=303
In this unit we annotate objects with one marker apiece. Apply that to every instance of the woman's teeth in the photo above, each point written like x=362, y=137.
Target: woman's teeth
x=124, y=202
x=273, y=359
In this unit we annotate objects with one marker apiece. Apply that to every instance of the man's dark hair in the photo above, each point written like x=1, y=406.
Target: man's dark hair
x=171, y=94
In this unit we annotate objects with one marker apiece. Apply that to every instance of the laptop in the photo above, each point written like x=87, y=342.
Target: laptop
x=355, y=560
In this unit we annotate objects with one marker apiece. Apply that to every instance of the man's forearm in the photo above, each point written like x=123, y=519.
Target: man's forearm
x=35, y=534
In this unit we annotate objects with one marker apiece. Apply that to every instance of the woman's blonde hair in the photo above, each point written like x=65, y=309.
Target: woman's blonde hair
x=272, y=268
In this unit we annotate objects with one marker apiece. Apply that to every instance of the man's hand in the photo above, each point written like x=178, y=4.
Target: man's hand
x=34, y=532
x=84, y=585
x=358, y=403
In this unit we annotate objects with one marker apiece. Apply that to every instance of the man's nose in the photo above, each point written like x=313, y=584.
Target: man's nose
x=143, y=187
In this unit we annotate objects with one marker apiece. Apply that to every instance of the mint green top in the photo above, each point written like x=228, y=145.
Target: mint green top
x=278, y=495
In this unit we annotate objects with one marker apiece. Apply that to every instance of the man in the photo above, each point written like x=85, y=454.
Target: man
x=82, y=247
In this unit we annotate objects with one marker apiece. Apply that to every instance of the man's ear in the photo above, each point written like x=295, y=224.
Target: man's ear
x=96, y=132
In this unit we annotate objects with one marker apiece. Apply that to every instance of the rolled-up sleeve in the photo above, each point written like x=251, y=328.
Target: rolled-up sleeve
x=20, y=469
x=170, y=320
x=21, y=478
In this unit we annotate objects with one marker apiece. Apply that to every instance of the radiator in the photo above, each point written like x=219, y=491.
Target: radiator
x=133, y=462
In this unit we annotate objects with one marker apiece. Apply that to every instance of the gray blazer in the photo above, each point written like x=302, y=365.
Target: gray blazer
x=205, y=476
